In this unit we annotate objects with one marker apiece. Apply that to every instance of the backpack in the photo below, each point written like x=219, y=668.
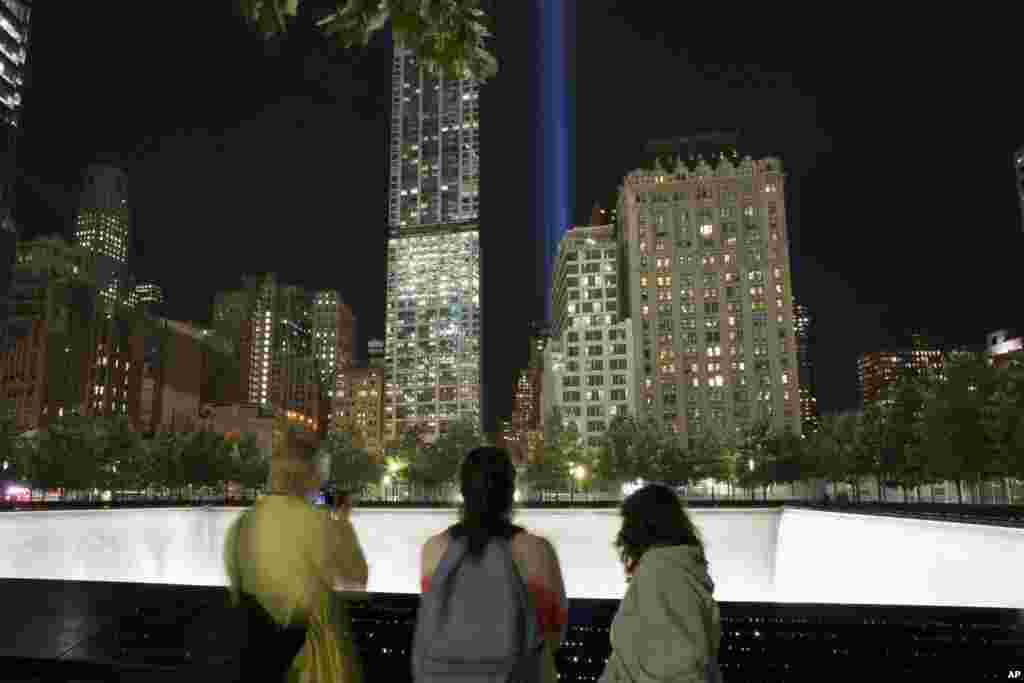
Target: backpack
x=478, y=621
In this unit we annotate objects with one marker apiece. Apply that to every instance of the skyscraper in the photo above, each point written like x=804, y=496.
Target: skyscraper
x=435, y=146
x=334, y=328
x=803, y=325
x=706, y=278
x=588, y=362
x=103, y=226
x=433, y=317
x=15, y=22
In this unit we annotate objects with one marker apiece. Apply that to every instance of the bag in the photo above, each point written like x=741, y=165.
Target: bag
x=478, y=621
x=329, y=654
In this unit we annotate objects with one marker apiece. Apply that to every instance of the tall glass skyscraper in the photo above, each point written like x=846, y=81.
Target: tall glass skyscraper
x=15, y=19
x=433, y=317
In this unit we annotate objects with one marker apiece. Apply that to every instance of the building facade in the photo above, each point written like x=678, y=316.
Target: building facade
x=148, y=295
x=334, y=329
x=375, y=356
x=803, y=324
x=358, y=406
x=172, y=378
x=15, y=31
x=15, y=25
x=588, y=373
x=878, y=370
x=435, y=146
x=433, y=329
x=44, y=370
x=103, y=226
x=706, y=277
x=432, y=358
x=289, y=344
x=525, y=435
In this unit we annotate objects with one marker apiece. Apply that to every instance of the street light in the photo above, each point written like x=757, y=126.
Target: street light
x=579, y=472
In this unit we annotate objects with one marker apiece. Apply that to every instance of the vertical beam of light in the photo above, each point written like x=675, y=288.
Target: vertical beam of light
x=555, y=24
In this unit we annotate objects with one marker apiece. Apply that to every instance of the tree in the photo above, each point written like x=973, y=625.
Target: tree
x=648, y=451
x=870, y=436
x=205, y=458
x=902, y=458
x=1003, y=424
x=549, y=470
x=121, y=455
x=751, y=467
x=68, y=456
x=351, y=468
x=251, y=466
x=831, y=447
x=954, y=433
x=711, y=459
x=447, y=35
x=435, y=466
x=612, y=463
x=13, y=451
x=166, y=461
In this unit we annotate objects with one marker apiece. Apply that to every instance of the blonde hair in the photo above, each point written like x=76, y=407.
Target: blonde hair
x=293, y=465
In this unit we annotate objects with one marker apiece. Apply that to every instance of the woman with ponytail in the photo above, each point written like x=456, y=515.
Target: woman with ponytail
x=487, y=482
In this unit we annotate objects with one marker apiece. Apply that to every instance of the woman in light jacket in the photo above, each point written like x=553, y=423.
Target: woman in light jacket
x=667, y=627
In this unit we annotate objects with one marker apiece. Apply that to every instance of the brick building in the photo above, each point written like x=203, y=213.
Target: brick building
x=172, y=378
x=51, y=331
x=705, y=274
x=358, y=405
x=877, y=370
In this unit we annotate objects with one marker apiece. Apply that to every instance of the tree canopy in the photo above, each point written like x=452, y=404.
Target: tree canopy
x=447, y=35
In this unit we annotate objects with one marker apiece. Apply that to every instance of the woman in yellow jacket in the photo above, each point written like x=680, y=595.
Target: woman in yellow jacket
x=284, y=559
x=667, y=628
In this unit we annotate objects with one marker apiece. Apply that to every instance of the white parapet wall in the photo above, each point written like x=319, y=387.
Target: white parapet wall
x=758, y=555
x=841, y=557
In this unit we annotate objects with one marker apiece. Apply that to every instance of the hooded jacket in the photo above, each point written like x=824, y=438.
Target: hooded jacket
x=667, y=629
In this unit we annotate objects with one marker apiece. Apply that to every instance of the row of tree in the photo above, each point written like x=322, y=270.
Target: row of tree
x=83, y=455
x=961, y=424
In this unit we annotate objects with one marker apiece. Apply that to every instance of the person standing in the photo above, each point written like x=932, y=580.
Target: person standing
x=486, y=570
x=284, y=558
x=668, y=626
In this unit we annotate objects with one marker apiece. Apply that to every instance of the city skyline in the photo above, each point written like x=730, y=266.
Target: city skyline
x=308, y=162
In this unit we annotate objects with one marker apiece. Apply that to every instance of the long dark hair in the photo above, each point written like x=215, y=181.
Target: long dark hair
x=487, y=480
x=654, y=516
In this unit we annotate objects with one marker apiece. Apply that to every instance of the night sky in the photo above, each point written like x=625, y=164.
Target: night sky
x=896, y=133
